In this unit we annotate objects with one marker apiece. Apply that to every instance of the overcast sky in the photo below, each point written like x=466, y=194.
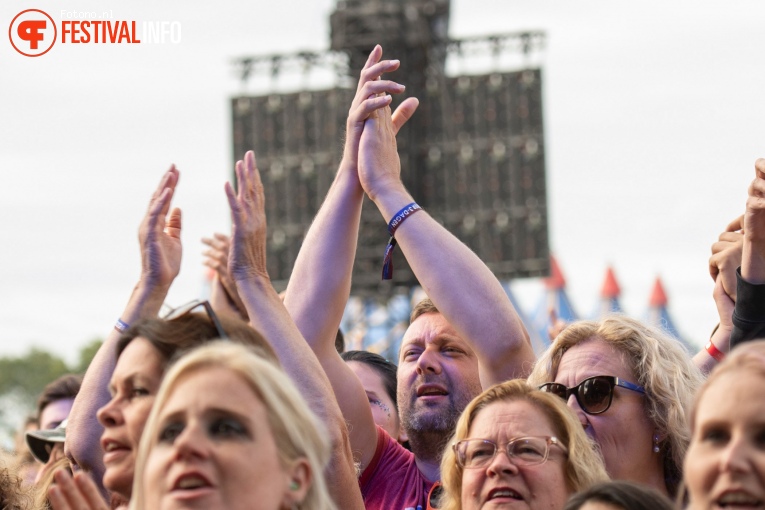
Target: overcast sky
x=653, y=115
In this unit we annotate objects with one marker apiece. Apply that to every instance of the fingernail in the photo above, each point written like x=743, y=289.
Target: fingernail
x=392, y=62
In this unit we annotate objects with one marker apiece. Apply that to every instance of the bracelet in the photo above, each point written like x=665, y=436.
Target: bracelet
x=714, y=351
x=121, y=325
x=393, y=225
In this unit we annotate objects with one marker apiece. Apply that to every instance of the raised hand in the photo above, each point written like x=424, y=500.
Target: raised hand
x=726, y=256
x=379, y=164
x=753, y=258
x=372, y=94
x=75, y=493
x=247, y=254
x=216, y=257
x=724, y=303
x=160, y=235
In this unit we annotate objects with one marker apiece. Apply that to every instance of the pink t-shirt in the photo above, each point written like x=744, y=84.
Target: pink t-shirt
x=392, y=481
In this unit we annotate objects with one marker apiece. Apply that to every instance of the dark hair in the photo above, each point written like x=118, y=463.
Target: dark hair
x=626, y=495
x=382, y=366
x=66, y=386
x=339, y=342
x=174, y=337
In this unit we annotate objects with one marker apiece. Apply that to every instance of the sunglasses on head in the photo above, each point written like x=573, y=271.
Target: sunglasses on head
x=594, y=394
x=193, y=305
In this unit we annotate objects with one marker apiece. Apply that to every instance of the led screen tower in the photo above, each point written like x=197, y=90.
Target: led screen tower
x=472, y=155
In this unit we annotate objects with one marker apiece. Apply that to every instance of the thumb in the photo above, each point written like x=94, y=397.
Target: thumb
x=173, y=226
x=404, y=112
x=759, y=168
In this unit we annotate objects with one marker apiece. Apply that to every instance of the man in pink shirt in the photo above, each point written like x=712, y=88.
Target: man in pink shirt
x=466, y=337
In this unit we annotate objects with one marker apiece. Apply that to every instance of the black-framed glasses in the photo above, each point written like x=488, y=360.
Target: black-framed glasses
x=522, y=451
x=594, y=394
x=193, y=305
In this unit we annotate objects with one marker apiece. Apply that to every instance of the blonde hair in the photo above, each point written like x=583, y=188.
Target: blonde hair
x=297, y=431
x=47, y=481
x=424, y=306
x=662, y=367
x=14, y=494
x=583, y=466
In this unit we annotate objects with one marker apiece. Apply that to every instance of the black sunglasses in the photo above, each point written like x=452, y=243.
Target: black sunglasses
x=193, y=305
x=594, y=394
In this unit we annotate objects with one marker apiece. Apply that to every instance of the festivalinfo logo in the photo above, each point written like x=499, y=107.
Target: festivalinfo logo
x=34, y=32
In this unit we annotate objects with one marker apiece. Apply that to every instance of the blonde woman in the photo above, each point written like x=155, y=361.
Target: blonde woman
x=725, y=464
x=516, y=444
x=630, y=385
x=229, y=430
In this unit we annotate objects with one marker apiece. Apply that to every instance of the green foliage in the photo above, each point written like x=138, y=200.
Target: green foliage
x=87, y=352
x=22, y=378
x=30, y=373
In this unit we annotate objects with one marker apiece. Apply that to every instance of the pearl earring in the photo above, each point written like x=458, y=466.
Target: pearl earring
x=656, y=443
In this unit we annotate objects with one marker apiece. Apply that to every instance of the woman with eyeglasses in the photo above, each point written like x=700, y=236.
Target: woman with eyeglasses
x=630, y=386
x=515, y=445
x=725, y=464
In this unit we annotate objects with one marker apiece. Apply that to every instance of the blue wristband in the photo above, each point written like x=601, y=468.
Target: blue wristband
x=400, y=216
x=121, y=325
x=393, y=225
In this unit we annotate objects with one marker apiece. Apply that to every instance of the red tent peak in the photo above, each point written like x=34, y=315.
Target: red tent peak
x=555, y=281
x=610, y=287
x=658, y=296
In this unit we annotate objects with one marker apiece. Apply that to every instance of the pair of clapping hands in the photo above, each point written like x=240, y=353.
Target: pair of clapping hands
x=742, y=244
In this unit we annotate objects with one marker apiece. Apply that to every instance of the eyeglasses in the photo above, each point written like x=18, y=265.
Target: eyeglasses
x=522, y=451
x=186, y=309
x=594, y=394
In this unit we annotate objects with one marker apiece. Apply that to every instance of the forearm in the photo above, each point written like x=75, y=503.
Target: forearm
x=320, y=283
x=463, y=288
x=721, y=341
x=749, y=312
x=341, y=476
x=752, y=262
x=145, y=301
x=270, y=318
x=330, y=387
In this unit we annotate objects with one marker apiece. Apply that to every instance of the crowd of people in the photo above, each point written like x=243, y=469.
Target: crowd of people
x=248, y=400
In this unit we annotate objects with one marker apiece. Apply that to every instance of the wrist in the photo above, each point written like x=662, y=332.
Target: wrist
x=347, y=174
x=254, y=291
x=148, y=289
x=145, y=302
x=719, y=341
x=752, y=264
x=252, y=281
x=348, y=163
x=390, y=199
x=396, y=221
x=713, y=351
